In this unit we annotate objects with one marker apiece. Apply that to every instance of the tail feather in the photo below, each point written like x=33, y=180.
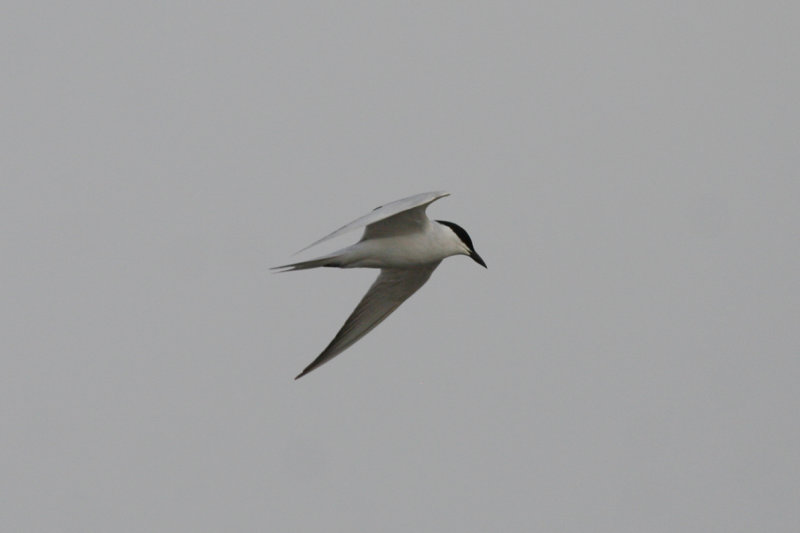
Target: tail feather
x=327, y=261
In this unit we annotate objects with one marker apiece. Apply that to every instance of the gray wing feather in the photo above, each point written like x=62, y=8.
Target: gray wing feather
x=392, y=288
x=383, y=212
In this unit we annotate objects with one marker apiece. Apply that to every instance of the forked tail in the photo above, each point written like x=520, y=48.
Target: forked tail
x=327, y=261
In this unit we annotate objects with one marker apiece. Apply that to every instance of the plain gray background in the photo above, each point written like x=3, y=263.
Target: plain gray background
x=628, y=362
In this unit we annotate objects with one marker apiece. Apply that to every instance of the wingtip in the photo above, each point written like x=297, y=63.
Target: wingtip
x=439, y=194
x=306, y=248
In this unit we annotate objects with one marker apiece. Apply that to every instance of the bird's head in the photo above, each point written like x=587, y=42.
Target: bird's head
x=465, y=243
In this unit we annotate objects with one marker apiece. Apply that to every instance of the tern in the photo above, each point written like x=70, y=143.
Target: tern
x=405, y=245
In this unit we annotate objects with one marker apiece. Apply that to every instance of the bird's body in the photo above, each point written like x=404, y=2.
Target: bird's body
x=406, y=245
x=430, y=245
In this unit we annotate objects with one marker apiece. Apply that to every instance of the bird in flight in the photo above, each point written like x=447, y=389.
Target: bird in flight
x=405, y=245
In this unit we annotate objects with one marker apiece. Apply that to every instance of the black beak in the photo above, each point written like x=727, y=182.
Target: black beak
x=474, y=255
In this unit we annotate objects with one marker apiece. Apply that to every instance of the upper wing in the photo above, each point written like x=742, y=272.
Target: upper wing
x=392, y=288
x=383, y=212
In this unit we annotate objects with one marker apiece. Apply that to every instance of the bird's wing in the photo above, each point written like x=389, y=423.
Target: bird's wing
x=392, y=288
x=385, y=211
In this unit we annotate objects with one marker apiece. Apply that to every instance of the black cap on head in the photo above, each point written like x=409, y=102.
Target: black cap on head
x=464, y=236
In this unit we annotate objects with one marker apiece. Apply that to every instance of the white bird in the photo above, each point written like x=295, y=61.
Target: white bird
x=406, y=245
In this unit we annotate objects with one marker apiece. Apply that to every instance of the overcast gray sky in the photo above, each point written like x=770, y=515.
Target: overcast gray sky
x=628, y=362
